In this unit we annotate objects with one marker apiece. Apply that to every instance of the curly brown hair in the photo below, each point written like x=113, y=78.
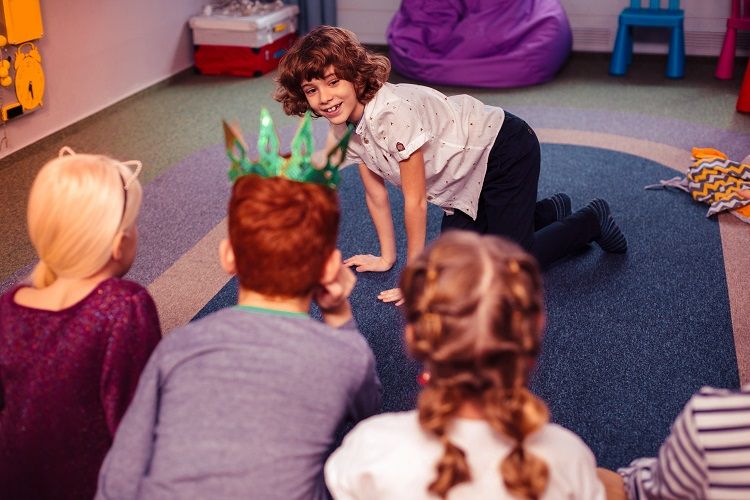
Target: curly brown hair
x=475, y=311
x=328, y=46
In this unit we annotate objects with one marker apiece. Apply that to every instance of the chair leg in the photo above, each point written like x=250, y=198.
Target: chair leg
x=743, y=101
x=629, y=43
x=676, y=57
x=725, y=66
x=618, y=65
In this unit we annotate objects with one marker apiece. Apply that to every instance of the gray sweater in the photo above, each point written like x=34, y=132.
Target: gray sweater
x=241, y=404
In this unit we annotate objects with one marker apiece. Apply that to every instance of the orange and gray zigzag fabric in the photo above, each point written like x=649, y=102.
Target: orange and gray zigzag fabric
x=720, y=182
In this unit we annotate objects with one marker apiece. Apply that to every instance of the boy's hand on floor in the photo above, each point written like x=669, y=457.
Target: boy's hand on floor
x=392, y=295
x=368, y=262
x=333, y=297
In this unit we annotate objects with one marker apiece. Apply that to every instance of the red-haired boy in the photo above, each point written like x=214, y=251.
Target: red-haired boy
x=245, y=403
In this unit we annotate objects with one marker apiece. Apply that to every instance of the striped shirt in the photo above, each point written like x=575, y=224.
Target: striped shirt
x=706, y=455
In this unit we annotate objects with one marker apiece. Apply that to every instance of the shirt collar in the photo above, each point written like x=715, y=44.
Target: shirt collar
x=383, y=93
x=263, y=310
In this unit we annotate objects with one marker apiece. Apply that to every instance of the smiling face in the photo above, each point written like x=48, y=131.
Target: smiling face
x=333, y=98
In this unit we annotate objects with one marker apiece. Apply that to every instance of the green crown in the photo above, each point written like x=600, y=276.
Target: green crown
x=296, y=166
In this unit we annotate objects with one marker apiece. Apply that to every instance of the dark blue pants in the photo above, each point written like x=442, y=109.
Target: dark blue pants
x=508, y=205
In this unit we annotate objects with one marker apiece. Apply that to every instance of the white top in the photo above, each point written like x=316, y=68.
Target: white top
x=389, y=456
x=455, y=133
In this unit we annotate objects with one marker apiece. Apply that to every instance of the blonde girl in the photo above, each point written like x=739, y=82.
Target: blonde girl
x=73, y=343
x=474, y=315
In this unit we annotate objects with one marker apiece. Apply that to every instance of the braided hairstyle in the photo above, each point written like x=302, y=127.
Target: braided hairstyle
x=475, y=314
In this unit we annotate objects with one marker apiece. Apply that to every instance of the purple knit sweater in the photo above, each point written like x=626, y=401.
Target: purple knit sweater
x=66, y=379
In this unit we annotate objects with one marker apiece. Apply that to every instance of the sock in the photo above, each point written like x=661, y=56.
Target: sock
x=611, y=238
x=562, y=204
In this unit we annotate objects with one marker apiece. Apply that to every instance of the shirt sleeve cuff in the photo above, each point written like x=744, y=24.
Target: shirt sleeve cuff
x=415, y=144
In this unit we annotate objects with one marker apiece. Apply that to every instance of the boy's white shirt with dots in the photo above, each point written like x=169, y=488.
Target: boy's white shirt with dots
x=455, y=133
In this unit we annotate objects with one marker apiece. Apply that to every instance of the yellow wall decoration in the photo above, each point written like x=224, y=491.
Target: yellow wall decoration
x=29, y=76
x=22, y=20
x=20, y=24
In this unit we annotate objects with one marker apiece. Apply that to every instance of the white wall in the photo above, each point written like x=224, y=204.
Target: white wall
x=97, y=52
x=594, y=24
x=368, y=19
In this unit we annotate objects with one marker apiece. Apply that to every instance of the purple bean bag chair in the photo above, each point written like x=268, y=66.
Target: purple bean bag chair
x=479, y=43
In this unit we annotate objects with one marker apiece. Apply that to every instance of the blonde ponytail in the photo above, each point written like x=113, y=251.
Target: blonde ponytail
x=42, y=276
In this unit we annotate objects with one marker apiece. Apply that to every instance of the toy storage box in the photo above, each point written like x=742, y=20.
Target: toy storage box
x=243, y=45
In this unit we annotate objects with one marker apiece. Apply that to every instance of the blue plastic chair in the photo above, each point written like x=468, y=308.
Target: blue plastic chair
x=653, y=15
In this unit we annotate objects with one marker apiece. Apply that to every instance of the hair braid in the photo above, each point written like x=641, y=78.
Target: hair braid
x=437, y=404
x=509, y=407
x=524, y=474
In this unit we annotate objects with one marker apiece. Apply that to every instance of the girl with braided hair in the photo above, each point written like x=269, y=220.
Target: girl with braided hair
x=475, y=315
